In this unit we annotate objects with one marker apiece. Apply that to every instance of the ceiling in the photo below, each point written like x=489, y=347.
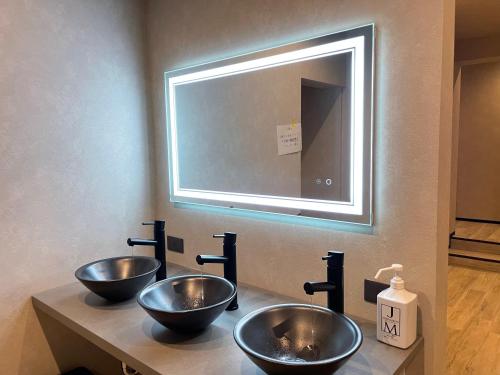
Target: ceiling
x=477, y=18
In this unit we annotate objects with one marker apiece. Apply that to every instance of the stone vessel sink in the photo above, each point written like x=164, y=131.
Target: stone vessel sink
x=118, y=279
x=280, y=339
x=187, y=303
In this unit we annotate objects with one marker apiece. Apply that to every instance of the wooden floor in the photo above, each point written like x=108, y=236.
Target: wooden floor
x=478, y=231
x=473, y=322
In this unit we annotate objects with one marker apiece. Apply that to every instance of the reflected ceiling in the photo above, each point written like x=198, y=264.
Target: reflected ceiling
x=477, y=18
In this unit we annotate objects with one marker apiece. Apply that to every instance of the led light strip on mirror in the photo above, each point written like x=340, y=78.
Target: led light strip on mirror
x=353, y=45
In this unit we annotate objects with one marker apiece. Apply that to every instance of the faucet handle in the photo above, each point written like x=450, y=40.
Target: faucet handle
x=158, y=224
x=229, y=238
x=334, y=259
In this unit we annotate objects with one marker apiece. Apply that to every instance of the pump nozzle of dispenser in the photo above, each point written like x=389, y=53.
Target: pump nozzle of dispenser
x=396, y=282
x=396, y=267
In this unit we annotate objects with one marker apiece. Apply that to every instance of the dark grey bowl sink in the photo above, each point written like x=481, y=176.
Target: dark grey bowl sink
x=187, y=303
x=280, y=340
x=118, y=279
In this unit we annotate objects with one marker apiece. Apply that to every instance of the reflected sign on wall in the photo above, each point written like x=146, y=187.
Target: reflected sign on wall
x=289, y=138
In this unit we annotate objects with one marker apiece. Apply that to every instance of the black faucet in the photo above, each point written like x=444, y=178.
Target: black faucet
x=158, y=243
x=228, y=260
x=334, y=285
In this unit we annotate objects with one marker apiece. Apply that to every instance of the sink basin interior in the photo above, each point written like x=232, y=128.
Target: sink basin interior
x=295, y=334
x=118, y=279
x=187, y=303
x=187, y=293
x=117, y=268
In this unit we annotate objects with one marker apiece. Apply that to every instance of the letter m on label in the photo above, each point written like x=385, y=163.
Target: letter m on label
x=392, y=330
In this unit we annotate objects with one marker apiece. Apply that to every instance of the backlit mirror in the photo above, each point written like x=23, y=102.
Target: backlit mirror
x=285, y=130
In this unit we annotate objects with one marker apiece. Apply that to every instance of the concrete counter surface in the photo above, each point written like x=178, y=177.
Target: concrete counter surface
x=125, y=331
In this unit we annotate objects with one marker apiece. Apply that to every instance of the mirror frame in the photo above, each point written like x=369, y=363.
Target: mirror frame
x=360, y=43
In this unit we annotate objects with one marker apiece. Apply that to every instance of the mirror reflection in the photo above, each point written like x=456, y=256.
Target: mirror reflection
x=281, y=131
x=285, y=130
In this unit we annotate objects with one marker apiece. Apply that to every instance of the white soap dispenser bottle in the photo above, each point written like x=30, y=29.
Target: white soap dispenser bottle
x=396, y=312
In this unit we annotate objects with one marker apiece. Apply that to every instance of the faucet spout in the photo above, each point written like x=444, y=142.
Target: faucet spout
x=228, y=259
x=334, y=285
x=202, y=259
x=141, y=242
x=311, y=287
x=159, y=244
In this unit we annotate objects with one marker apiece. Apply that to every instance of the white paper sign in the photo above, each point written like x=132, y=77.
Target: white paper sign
x=289, y=138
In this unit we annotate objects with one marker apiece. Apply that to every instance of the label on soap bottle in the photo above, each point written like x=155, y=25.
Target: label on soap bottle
x=390, y=319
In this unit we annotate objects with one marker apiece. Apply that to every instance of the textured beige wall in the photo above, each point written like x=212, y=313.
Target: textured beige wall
x=413, y=96
x=74, y=166
x=478, y=185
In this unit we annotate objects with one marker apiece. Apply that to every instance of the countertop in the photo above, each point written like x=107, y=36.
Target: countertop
x=126, y=332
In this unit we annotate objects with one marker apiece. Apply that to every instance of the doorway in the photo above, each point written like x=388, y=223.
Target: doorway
x=474, y=246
